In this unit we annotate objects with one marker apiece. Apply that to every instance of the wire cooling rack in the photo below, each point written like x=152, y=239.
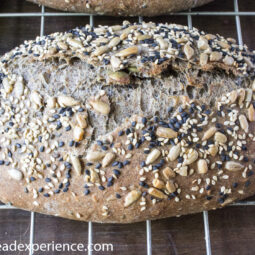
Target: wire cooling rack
x=236, y=13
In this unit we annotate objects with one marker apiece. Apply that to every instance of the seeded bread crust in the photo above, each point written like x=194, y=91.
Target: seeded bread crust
x=122, y=8
x=127, y=123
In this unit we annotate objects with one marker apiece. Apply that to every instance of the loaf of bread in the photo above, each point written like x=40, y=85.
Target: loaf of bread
x=122, y=8
x=127, y=123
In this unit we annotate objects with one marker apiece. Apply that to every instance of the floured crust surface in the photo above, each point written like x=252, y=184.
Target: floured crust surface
x=122, y=8
x=83, y=138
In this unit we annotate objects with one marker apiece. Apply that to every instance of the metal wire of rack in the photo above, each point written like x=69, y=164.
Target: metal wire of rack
x=236, y=13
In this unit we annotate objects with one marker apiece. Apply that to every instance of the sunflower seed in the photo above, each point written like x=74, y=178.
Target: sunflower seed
x=202, y=43
x=100, y=107
x=94, y=156
x=157, y=193
x=133, y=50
x=81, y=119
x=241, y=96
x=143, y=37
x=191, y=157
x=220, y=138
x=131, y=197
x=51, y=102
x=153, y=156
x=170, y=186
x=162, y=43
x=36, y=98
x=114, y=42
x=74, y=43
x=119, y=77
x=251, y=113
x=174, y=152
x=108, y=158
x=101, y=50
x=202, y=166
x=215, y=56
x=158, y=184
x=203, y=59
x=78, y=133
x=188, y=50
x=209, y=133
x=166, y=132
x=229, y=61
x=19, y=87
x=244, y=123
x=213, y=150
x=94, y=177
x=115, y=62
x=67, y=101
x=182, y=171
x=168, y=173
x=76, y=164
x=233, y=96
x=233, y=166
x=7, y=85
x=62, y=45
x=15, y=174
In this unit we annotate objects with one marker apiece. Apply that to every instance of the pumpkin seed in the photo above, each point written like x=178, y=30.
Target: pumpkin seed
x=213, y=150
x=131, y=197
x=153, y=156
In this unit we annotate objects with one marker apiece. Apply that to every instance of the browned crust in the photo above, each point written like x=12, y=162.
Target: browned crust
x=120, y=8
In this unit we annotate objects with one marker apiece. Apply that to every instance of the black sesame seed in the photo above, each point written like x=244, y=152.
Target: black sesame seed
x=208, y=197
x=130, y=147
x=65, y=189
x=71, y=143
x=60, y=186
x=40, y=190
x=98, y=165
x=104, y=148
x=121, y=133
x=46, y=195
x=47, y=179
x=115, y=163
x=120, y=165
x=86, y=192
x=118, y=195
x=61, y=144
x=41, y=149
x=133, y=123
x=99, y=142
x=68, y=128
x=144, y=120
x=57, y=191
x=116, y=172
x=126, y=162
x=1, y=162
x=32, y=179
x=101, y=187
